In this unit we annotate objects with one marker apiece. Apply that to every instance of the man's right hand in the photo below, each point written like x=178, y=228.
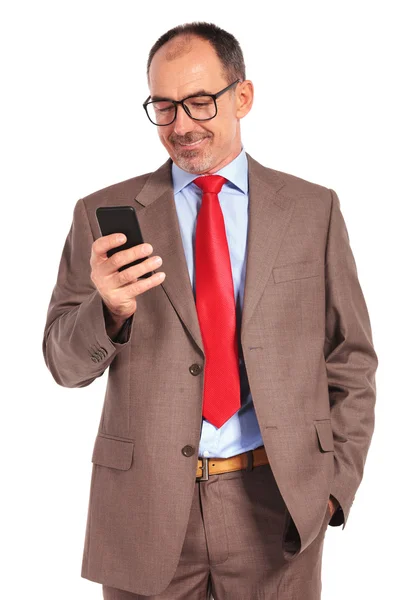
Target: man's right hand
x=120, y=288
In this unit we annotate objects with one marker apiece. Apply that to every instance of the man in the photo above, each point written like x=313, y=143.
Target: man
x=240, y=399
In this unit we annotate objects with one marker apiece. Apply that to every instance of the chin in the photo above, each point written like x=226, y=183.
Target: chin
x=194, y=164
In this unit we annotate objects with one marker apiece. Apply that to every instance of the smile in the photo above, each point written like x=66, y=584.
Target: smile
x=193, y=145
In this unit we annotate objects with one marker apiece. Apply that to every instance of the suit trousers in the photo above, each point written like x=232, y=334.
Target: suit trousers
x=233, y=545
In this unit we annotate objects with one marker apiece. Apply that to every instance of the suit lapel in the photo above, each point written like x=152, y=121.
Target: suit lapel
x=269, y=215
x=160, y=227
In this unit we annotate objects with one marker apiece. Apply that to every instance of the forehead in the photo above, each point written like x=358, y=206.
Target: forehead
x=183, y=66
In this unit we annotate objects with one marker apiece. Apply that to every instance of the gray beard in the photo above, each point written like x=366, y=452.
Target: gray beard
x=194, y=165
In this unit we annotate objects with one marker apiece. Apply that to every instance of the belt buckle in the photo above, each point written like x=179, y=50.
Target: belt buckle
x=204, y=468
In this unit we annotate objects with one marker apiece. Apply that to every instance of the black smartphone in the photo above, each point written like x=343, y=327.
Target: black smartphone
x=122, y=219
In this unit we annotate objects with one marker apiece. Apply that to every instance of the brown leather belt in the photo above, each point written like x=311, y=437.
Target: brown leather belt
x=246, y=460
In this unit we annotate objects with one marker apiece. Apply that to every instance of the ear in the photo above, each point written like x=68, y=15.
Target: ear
x=244, y=98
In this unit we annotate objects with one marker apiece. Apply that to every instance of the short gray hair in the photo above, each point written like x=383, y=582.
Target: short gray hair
x=225, y=45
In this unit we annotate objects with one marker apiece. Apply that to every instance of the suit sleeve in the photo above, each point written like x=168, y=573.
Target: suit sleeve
x=351, y=363
x=75, y=345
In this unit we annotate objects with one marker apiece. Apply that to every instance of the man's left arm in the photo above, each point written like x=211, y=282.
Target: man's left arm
x=351, y=363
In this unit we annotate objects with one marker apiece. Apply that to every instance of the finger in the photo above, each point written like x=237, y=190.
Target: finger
x=132, y=274
x=142, y=285
x=125, y=257
x=104, y=243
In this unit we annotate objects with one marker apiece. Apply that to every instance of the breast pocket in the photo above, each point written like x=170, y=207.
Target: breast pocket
x=300, y=270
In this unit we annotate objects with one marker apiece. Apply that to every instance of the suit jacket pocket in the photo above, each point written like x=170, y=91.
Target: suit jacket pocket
x=290, y=538
x=300, y=270
x=112, y=452
x=325, y=435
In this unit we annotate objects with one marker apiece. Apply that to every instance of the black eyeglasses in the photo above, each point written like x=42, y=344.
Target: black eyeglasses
x=201, y=107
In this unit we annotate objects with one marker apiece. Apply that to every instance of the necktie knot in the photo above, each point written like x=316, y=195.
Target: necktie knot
x=210, y=183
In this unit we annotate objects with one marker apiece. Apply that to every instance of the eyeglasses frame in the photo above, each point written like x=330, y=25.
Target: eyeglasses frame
x=185, y=108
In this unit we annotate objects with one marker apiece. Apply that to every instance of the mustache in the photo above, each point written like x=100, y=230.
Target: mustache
x=187, y=139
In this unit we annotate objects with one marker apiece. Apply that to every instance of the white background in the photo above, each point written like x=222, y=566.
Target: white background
x=73, y=83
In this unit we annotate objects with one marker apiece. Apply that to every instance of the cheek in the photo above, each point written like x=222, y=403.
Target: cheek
x=163, y=135
x=228, y=121
x=225, y=133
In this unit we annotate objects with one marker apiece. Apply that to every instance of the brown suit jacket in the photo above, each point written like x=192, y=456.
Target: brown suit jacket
x=307, y=347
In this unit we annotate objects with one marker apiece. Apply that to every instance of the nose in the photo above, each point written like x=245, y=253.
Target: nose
x=183, y=123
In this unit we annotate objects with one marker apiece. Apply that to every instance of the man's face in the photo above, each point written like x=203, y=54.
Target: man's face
x=185, y=67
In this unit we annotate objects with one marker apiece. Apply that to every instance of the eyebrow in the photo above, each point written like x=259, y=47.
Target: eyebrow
x=201, y=92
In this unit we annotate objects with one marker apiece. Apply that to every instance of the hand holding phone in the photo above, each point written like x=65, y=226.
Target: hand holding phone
x=121, y=219
x=120, y=270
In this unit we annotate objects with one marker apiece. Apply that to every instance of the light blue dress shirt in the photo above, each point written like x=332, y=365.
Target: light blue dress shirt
x=241, y=432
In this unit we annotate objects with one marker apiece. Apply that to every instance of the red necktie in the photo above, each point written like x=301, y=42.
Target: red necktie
x=215, y=306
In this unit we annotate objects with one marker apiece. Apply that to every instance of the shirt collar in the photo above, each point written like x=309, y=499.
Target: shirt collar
x=236, y=172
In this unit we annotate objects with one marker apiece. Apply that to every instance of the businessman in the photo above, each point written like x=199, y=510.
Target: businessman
x=239, y=406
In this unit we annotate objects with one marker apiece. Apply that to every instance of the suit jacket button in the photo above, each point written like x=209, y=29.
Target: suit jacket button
x=188, y=450
x=94, y=359
x=195, y=369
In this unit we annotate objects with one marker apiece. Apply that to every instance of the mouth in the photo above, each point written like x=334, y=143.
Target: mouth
x=192, y=146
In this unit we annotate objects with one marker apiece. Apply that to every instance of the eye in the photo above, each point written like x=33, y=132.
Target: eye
x=162, y=107
x=200, y=102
